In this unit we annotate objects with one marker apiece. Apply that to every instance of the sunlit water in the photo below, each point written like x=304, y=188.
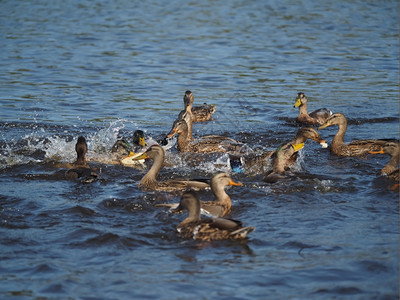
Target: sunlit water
x=104, y=69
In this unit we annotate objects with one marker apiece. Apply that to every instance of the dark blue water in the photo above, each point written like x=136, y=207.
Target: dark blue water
x=104, y=69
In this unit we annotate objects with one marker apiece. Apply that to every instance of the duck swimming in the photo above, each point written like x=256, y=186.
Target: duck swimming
x=80, y=168
x=355, y=148
x=286, y=155
x=193, y=227
x=391, y=170
x=123, y=148
x=205, y=144
x=149, y=181
x=199, y=113
x=222, y=204
x=317, y=117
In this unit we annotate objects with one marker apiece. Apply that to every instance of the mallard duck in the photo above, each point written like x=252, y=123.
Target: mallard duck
x=355, y=148
x=222, y=204
x=205, y=144
x=125, y=153
x=124, y=148
x=149, y=181
x=193, y=227
x=391, y=170
x=317, y=117
x=80, y=168
x=286, y=155
x=199, y=113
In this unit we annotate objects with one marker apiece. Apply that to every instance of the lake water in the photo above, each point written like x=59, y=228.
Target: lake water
x=103, y=69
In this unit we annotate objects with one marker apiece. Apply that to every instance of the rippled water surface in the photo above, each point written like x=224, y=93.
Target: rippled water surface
x=103, y=69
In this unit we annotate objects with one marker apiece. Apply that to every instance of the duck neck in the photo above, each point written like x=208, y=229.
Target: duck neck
x=80, y=160
x=220, y=194
x=194, y=216
x=392, y=165
x=183, y=141
x=189, y=120
x=338, y=140
x=151, y=176
x=303, y=110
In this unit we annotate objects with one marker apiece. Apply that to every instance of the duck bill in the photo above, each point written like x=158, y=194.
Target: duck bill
x=142, y=142
x=142, y=156
x=231, y=182
x=172, y=132
x=297, y=103
x=298, y=147
x=327, y=124
x=377, y=152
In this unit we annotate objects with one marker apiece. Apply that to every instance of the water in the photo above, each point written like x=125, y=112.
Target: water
x=103, y=69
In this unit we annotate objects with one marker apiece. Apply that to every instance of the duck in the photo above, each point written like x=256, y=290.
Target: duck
x=205, y=144
x=207, y=229
x=125, y=153
x=356, y=147
x=286, y=155
x=317, y=117
x=123, y=147
x=257, y=162
x=391, y=169
x=80, y=168
x=199, y=113
x=222, y=204
x=149, y=181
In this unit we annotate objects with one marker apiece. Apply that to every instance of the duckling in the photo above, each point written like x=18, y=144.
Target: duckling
x=193, y=227
x=80, y=168
x=206, y=144
x=391, y=170
x=317, y=117
x=199, y=113
x=286, y=155
x=149, y=181
x=355, y=148
x=222, y=204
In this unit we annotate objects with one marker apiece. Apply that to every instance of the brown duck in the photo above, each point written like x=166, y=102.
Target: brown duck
x=222, y=204
x=317, y=117
x=80, y=168
x=193, y=227
x=205, y=144
x=199, y=113
x=391, y=170
x=286, y=155
x=149, y=181
x=355, y=148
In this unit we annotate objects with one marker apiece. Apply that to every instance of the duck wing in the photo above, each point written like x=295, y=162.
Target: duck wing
x=362, y=147
x=321, y=115
x=203, y=113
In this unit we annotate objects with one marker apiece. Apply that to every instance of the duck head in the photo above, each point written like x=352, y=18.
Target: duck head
x=188, y=98
x=138, y=138
x=190, y=202
x=335, y=119
x=151, y=153
x=223, y=179
x=301, y=99
x=178, y=127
